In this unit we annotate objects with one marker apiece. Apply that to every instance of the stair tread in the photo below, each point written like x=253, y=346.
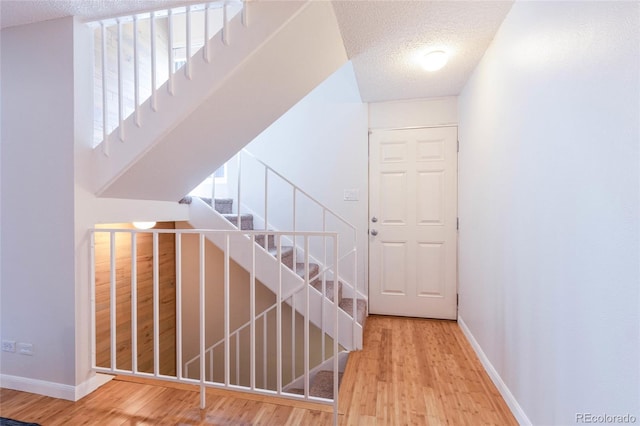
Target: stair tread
x=285, y=251
x=260, y=240
x=243, y=216
x=329, y=289
x=246, y=220
x=314, y=268
x=321, y=386
x=346, y=305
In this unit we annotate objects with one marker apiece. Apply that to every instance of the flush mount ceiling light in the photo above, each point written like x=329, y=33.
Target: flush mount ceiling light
x=434, y=60
x=144, y=225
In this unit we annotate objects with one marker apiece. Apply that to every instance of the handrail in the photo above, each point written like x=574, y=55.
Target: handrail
x=296, y=189
x=106, y=302
x=306, y=194
x=325, y=211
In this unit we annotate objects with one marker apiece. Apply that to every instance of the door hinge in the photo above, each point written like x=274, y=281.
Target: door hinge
x=458, y=146
x=457, y=223
x=457, y=299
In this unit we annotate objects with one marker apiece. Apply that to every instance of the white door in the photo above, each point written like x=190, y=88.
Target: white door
x=413, y=222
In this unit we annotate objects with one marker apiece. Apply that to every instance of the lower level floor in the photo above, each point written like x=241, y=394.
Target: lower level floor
x=410, y=372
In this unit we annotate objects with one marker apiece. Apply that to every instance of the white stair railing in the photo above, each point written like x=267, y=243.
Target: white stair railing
x=119, y=265
x=136, y=54
x=276, y=203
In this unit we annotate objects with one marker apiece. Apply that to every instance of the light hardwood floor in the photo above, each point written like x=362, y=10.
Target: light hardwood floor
x=411, y=372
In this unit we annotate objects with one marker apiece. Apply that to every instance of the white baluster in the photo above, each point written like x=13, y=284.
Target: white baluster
x=264, y=351
x=237, y=358
x=92, y=263
x=152, y=31
x=306, y=316
x=266, y=208
x=245, y=13
x=188, y=47
x=335, y=338
x=295, y=251
x=225, y=24
x=211, y=365
x=239, y=220
x=252, y=312
x=171, y=61
x=227, y=366
x=279, y=317
x=112, y=300
x=293, y=337
x=134, y=302
x=156, y=306
x=105, y=130
x=178, y=237
x=207, y=33
x=136, y=71
x=120, y=84
x=203, y=319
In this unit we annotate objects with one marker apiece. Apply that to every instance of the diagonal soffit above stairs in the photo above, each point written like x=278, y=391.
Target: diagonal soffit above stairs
x=287, y=65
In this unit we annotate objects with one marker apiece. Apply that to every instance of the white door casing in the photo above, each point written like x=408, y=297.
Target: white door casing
x=413, y=214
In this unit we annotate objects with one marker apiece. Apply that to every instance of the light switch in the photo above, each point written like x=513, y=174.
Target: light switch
x=351, y=194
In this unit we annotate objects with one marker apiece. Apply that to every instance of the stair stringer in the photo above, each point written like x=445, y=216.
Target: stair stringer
x=202, y=216
x=286, y=51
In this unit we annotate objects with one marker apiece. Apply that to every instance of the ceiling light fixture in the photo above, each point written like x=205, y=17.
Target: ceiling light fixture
x=435, y=60
x=144, y=225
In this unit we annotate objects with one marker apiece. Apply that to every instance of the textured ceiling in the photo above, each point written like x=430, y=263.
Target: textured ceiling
x=382, y=38
x=19, y=12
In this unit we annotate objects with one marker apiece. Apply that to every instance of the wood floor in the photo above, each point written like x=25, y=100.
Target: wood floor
x=411, y=372
x=418, y=372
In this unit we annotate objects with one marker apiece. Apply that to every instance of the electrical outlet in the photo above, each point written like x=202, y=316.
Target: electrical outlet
x=9, y=345
x=25, y=348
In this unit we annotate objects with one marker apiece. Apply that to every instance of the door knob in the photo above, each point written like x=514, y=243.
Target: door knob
x=374, y=232
x=374, y=219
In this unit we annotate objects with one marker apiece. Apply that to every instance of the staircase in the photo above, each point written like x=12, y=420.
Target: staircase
x=320, y=380
x=225, y=207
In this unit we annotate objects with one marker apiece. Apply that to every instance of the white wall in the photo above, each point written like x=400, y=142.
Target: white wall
x=413, y=113
x=549, y=208
x=321, y=145
x=37, y=200
x=45, y=173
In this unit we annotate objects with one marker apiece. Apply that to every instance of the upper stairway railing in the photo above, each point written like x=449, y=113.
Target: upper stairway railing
x=163, y=295
x=137, y=54
x=277, y=203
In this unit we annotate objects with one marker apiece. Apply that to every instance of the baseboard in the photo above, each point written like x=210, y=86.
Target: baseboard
x=54, y=390
x=97, y=380
x=511, y=401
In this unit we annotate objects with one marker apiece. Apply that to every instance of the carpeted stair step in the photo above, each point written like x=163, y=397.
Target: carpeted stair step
x=223, y=205
x=321, y=386
x=272, y=241
x=329, y=289
x=246, y=220
x=361, y=309
x=314, y=268
x=286, y=252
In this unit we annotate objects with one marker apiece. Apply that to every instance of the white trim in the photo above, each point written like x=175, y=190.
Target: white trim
x=88, y=386
x=511, y=401
x=54, y=390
